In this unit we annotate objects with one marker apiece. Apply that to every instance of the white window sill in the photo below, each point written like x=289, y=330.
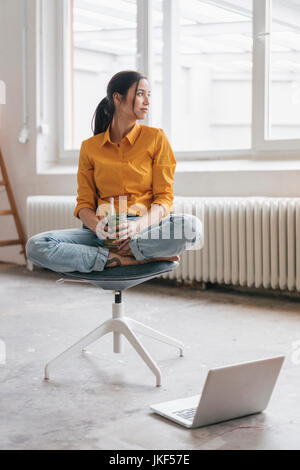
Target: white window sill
x=237, y=165
x=57, y=170
x=202, y=166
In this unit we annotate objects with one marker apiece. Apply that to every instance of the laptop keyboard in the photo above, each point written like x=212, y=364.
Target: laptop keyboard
x=189, y=413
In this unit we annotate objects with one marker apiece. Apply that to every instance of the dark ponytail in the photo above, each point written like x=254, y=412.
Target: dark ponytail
x=103, y=115
x=120, y=83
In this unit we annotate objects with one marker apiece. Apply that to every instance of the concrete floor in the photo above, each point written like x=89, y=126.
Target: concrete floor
x=101, y=400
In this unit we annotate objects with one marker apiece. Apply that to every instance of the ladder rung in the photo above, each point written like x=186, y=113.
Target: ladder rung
x=8, y=212
x=4, y=181
x=10, y=242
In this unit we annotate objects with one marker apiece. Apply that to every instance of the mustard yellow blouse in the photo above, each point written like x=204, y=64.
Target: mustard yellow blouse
x=140, y=168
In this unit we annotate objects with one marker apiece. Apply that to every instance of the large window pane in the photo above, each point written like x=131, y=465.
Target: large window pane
x=285, y=70
x=215, y=86
x=103, y=42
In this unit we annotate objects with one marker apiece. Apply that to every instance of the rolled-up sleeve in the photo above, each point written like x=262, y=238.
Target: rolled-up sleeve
x=86, y=191
x=164, y=164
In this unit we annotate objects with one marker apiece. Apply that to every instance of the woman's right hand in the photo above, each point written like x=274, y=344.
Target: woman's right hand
x=100, y=228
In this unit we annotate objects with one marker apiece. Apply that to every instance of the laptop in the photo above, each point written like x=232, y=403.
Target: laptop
x=229, y=392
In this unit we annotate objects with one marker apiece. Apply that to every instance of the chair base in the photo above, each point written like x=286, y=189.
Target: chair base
x=120, y=326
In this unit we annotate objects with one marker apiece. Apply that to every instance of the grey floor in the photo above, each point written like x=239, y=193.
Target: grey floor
x=100, y=400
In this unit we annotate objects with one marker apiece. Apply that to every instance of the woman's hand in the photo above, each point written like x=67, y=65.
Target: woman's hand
x=100, y=228
x=126, y=231
x=124, y=249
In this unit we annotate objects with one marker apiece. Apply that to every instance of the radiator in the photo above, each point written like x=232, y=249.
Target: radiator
x=44, y=213
x=247, y=241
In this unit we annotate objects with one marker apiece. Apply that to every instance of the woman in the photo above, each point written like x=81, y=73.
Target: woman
x=135, y=165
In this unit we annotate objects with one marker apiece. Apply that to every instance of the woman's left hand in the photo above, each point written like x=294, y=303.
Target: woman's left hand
x=124, y=249
x=127, y=230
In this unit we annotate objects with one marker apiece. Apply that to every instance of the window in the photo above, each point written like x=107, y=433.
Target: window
x=224, y=74
x=102, y=40
x=215, y=85
x=285, y=70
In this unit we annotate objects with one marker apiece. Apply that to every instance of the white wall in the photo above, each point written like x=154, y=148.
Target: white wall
x=21, y=160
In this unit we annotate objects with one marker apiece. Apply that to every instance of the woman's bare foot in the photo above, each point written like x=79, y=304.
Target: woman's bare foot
x=168, y=258
x=126, y=252
x=114, y=260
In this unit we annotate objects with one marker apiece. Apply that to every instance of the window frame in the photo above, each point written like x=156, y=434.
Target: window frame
x=64, y=97
x=262, y=22
x=261, y=146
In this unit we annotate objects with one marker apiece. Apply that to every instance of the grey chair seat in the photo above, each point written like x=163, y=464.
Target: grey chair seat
x=124, y=277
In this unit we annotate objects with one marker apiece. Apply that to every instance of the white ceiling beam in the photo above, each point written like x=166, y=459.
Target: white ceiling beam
x=107, y=48
x=283, y=15
x=199, y=30
x=211, y=29
x=232, y=6
x=112, y=10
x=215, y=29
x=101, y=22
x=217, y=57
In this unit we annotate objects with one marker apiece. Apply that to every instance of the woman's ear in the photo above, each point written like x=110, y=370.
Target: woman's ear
x=117, y=97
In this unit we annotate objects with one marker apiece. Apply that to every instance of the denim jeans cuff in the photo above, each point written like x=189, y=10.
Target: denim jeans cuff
x=134, y=246
x=101, y=259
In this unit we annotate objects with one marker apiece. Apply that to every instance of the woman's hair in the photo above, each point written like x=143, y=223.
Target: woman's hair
x=120, y=83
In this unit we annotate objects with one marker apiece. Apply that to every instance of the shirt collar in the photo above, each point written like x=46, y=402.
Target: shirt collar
x=131, y=136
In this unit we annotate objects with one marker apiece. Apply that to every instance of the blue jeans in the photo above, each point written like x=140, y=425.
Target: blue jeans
x=81, y=250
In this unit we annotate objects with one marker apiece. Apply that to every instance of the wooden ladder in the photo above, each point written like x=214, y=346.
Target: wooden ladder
x=13, y=211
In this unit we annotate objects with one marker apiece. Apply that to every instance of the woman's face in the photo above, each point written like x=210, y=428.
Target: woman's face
x=141, y=105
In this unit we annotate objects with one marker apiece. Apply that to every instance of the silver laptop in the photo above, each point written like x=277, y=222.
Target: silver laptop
x=229, y=392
